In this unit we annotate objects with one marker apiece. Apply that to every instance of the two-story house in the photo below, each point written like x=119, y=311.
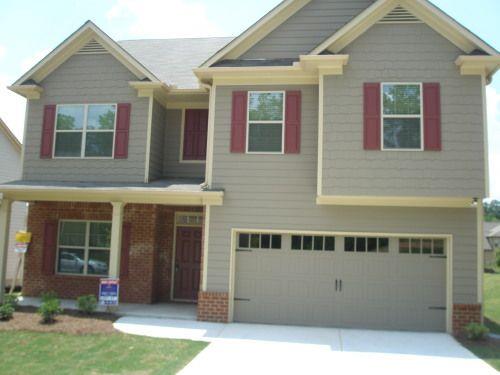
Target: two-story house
x=10, y=170
x=326, y=167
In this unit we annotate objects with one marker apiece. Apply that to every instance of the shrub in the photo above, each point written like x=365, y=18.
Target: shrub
x=6, y=311
x=49, y=296
x=11, y=299
x=498, y=259
x=476, y=331
x=87, y=304
x=49, y=310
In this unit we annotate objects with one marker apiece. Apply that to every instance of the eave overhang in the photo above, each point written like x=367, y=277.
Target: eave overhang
x=28, y=91
x=485, y=66
x=306, y=71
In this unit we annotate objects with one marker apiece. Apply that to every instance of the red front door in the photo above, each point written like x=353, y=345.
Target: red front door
x=187, y=263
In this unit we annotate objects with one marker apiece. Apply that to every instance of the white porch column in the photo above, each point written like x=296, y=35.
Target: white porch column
x=5, y=208
x=116, y=239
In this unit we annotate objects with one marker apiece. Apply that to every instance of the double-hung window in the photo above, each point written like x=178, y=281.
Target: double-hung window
x=402, y=120
x=85, y=131
x=83, y=248
x=266, y=117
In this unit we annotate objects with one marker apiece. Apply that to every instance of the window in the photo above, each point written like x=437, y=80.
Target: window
x=366, y=244
x=266, y=113
x=315, y=243
x=83, y=248
x=402, y=119
x=85, y=131
x=421, y=246
x=247, y=241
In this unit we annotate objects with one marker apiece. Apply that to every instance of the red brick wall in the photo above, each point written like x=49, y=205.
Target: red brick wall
x=150, y=258
x=213, y=307
x=465, y=314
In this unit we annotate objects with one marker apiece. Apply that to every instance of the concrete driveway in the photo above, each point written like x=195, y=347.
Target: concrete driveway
x=265, y=349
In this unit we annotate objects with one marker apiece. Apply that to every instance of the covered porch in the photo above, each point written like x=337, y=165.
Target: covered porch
x=150, y=236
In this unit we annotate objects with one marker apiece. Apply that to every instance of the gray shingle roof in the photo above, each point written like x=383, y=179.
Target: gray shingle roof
x=173, y=60
x=490, y=230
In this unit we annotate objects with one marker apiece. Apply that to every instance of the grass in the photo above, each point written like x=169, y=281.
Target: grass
x=487, y=351
x=25, y=352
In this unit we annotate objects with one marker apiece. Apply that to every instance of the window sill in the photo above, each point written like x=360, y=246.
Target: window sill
x=79, y=277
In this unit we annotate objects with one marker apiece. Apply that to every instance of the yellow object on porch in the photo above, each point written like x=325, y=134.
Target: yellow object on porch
x=23, y=236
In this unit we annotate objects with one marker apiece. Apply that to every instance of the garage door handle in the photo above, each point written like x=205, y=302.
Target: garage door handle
x=340, y=285
x=336, y=285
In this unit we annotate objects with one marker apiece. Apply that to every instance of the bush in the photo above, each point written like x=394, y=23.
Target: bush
x=11, y=299
x=87, y=304
x=6, y=311
x=49, y=296
x=498, y=259
x=49, y=310
x=476, y=331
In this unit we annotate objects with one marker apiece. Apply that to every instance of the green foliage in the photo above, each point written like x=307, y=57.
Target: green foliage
x=6, y=311
x=492, y=211
x=48, y=296
x=498, y=259
x=87, y=304
x=11, y=299
x=49, y=310
x=476, y=331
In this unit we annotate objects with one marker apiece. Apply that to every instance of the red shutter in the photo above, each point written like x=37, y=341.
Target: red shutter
x=122, y=130
x=125, y=251
x=49, y=248
x=432, y=117
x=49, y=120
x=239, y=122
x=195, y=134
x=293, y=115
x=372, y=116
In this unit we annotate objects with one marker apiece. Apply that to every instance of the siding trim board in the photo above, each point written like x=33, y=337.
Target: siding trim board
x=449, y=258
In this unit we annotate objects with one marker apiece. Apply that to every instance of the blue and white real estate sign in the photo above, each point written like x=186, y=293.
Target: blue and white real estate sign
x=109, y=290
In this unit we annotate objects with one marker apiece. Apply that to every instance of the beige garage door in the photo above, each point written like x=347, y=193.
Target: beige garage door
x=376, y=283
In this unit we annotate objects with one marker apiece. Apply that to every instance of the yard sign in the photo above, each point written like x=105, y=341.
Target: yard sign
x=109, y=290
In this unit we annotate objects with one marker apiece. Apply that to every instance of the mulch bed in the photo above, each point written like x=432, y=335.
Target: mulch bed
x=71, y=322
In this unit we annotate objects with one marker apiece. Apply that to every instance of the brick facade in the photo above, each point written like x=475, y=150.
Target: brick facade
x=213, y=307
x=150, y=260
x=463, y=314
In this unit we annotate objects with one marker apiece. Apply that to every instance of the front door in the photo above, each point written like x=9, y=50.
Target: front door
x=187, y=263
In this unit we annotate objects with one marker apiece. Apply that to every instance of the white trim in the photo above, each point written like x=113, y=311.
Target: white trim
x=449, y=259
x=384, y=116
x=485, y=137
x=25, y=131
x=84, y=131
x=480, y=252
x=206, y=238
x=148, y=139
x=183, y=128
x=86, y=248
x=321, y=120
x=282, y=122
x=174, y=249
x=210, y=135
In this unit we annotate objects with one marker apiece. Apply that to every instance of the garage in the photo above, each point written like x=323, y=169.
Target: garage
x=351, y=281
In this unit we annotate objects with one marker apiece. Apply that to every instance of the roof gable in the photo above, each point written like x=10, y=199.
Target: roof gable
x=10, y=136
x=418, y=11
x=87, y=39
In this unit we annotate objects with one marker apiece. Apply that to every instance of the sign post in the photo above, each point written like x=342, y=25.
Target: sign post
x=109, y=291
x=23, y=240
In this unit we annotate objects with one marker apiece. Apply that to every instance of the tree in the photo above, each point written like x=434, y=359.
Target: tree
x=492, y=211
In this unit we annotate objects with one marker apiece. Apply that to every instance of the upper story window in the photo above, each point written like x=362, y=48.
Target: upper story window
x=85, y=131
x=83, y=247
x=402, y=116
x=266, y=114
x=194, y=136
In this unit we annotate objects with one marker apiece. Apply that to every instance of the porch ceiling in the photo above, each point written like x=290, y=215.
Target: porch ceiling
x=165, y=191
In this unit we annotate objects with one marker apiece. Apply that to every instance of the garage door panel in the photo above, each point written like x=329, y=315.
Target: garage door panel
x=379, y=290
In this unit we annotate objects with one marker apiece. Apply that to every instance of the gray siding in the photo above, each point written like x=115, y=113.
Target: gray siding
x=157, y=139
x=279, y=191
x=307, y=28
x=10, y=170
x=88, y=79
x=172, y=167
x=403, y=53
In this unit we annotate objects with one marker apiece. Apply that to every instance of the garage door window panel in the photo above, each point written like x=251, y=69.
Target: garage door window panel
x=366, y=244
x=314, y=243
x=257, y=241
x=421, y=246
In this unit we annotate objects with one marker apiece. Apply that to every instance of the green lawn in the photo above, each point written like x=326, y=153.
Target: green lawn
x=24, y=352
x=492, y=301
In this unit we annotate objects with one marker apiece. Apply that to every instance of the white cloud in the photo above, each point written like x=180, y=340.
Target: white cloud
x=493, y=98
x=12, y=107
x=165, y=18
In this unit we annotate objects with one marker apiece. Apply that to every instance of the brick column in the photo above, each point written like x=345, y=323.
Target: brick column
x=463, y=314
x=213, y=307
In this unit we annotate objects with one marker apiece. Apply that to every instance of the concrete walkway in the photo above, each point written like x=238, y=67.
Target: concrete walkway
x=263, y=349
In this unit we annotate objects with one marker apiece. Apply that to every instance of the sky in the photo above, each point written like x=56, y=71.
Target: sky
x=34, y=33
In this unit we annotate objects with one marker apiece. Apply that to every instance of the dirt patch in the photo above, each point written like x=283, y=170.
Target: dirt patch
x=72, y=322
